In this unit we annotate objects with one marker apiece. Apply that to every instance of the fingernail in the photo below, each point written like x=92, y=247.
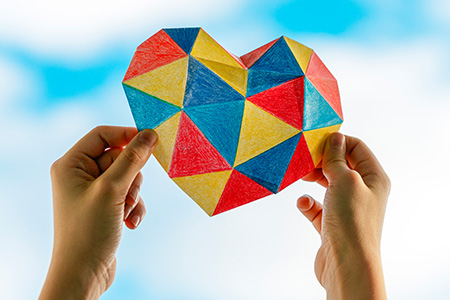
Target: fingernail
x=148, y=137
x=135, y=220
x=337, y=141
x=309, y=204
x=127, y=211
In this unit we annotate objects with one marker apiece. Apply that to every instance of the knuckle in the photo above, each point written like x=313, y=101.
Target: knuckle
x=107, y=186
x=133, y=156
x=353, y=177
x=55, y=167
x=387, y=182
x=100, y=128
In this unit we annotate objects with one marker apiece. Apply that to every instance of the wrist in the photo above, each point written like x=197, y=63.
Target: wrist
x=357, y=274
x=71, y=278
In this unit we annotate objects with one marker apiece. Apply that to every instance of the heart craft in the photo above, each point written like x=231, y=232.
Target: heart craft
x=232, y=129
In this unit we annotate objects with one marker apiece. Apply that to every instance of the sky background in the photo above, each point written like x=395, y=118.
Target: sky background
x=61, y=67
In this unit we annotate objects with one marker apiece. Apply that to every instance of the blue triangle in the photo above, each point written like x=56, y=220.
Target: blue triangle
x=259, y=81
x=278, y=58
x=184, y=37
x=203, y=86
x=317, y=113
x=269, y=167
x=148, y=111
x=221, y=125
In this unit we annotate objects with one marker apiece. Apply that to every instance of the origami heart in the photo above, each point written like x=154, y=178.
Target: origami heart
x=232, y=129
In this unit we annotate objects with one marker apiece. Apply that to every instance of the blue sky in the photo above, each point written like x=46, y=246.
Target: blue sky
x=61, y=66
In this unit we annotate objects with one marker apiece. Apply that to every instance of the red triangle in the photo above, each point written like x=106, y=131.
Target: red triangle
x=238, y=191
x=284, y=101
x=250, y=58
x=157, y=51
x=325, y=83
x=300, y=165
x=193, y=153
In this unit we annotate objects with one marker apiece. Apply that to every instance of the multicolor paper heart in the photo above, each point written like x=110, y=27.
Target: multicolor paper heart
x=232, y=129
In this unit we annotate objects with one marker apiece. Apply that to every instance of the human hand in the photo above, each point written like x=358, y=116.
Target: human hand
x=95, y=189
x=350, y=221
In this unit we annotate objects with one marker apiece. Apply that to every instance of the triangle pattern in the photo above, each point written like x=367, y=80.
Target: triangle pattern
x=238, y=191
x=155, y=52
x=204, y=189
x=167, y=134
x=316, y=141
x=278, y=58
x=207, y=48
x=317, y=112
x=260, y=131
x=269, y=167
x=259, y=81
x=250, y=58
x=205, y=87
x=325, y=83
x=184, y=37
x=301, y=53
x=221, y=125
x=148, y=111
x=284, y=101
x=166, y=82
x=300, y=164
x=236, y=77
x=193, y=153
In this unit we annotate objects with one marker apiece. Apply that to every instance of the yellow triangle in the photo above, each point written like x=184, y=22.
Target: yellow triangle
x=167, y=82
x=260, y=131
x=236, y=77
x=167, y=134
x=205, y=189
x=316, y=141
x=207, y=48
x=301, y=52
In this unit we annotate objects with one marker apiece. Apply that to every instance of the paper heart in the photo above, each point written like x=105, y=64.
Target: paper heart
x=232, y=129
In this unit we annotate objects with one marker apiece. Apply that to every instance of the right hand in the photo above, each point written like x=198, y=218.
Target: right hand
x=350, y=221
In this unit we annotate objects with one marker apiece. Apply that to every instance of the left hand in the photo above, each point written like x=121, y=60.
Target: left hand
x=95, y=189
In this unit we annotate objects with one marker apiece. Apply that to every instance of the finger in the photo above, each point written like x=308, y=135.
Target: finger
x=312, y=210
x=131, y=160
x=137, y=215
x=334, y=160
x=133, y=195
x=107, y=158
x=361, y=159
x=316, y=176
x=100, y=138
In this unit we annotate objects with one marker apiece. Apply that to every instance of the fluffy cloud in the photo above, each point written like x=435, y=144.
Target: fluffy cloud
x=74, y=28
x=17, y=82
x=439, y=11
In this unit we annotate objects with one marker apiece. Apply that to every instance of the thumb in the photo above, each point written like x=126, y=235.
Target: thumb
x=132, y=159
x=334, y=161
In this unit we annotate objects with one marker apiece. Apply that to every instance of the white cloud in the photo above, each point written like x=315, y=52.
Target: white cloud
x=439, y=10
x=17, y=82
x=81, y=28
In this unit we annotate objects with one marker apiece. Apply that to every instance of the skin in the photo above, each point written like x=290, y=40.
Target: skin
x=350, y=221
x=96, y=190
